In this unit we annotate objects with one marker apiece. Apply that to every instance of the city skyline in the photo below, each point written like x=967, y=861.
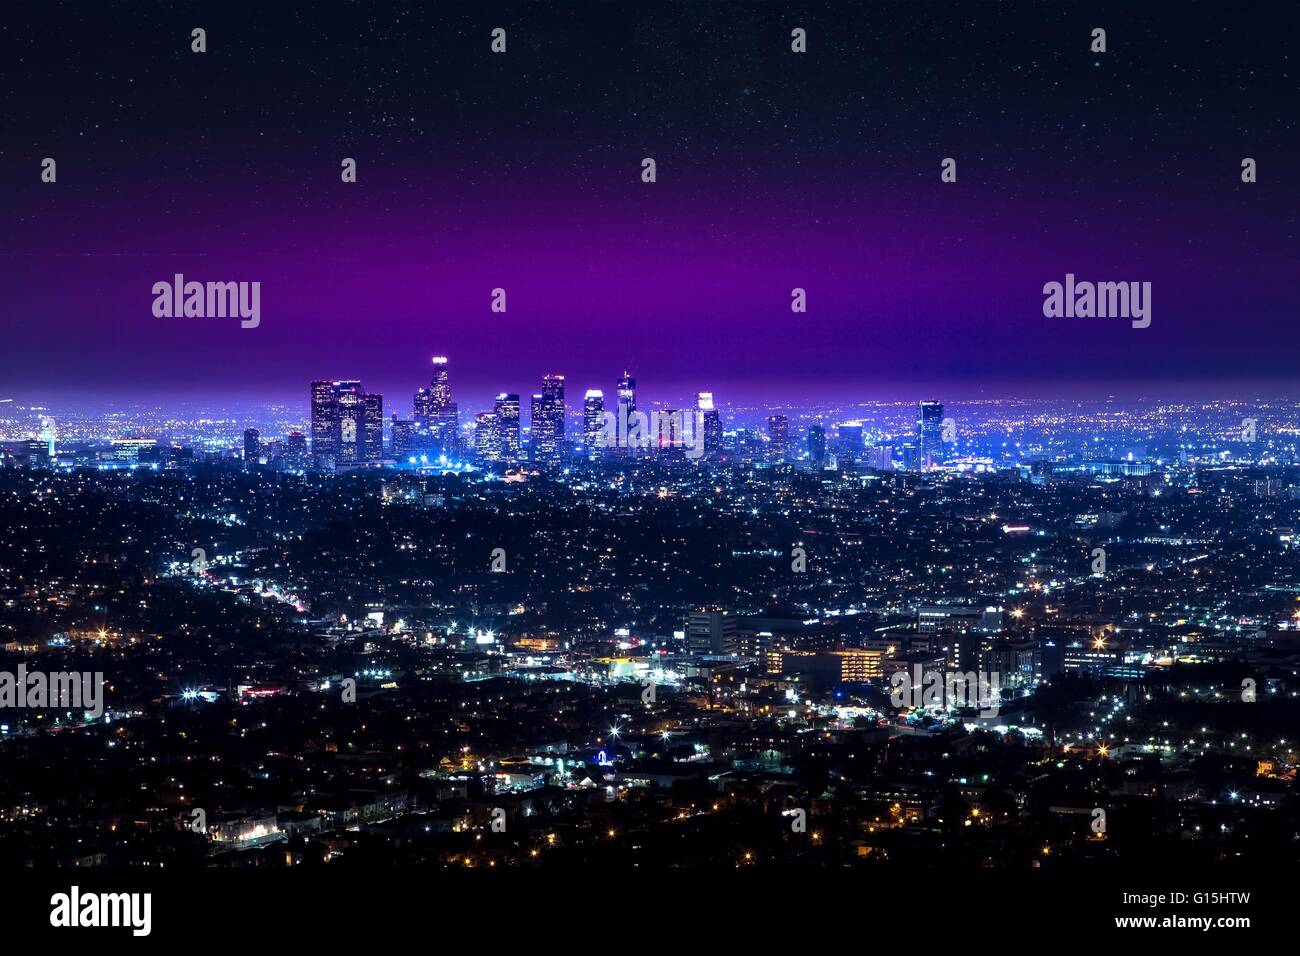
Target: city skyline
x=480, y=392
x=344, y=426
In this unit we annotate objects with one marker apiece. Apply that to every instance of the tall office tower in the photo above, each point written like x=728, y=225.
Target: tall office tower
x=667, y=431
x=881, y=457
x=778, y=437
x=626, y=405
x=372, y=423
x=347, y=425
x=712, y=424
x=440, y=386
x=252, y=448
x=371, y=441
x=47, y=434
x=295, y=451
x=487, y=441
x=506, y=411
x=593, y=421
x=627, y=391
x=817, y=445
x=849, y=445
x=929, y=431
x=536, y=421
x=324, y=438
x=711, y=630
x=403, y=439
x=548, y=420
x=351, y=429
x=436, y=414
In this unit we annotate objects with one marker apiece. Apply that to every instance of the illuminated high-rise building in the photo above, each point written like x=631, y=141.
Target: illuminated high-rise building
x=778, y=437
x=404, y=444
x=627, y=391
x=711, y=423
x=929, y=431
x=669, y=432
x=324, y=440
x=437, y=417
x=372, y=423
x=537, y=424
x=347, y=425
x=252, y=448
x=548, y=420
x=910, y=453
x=440, y=386
x=351, y=429
x=506, y=426
x=817, y=445
x=593, y=421
x=849, y=441
x=47, y=434
x=487, y=440
x=626, y=405
x=295, y=451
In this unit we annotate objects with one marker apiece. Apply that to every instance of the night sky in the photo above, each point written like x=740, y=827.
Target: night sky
x=522, y=171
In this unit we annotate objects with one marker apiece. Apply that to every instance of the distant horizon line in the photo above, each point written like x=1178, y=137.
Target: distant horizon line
x=760, y=394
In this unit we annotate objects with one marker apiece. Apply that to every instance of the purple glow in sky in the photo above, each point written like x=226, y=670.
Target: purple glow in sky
x=689, y=284
x=523, y=173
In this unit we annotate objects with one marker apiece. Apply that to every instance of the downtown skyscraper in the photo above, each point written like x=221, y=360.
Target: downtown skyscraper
x=252, y=448
x=593, y=421
x=929, y=433
x=507, y=423
x=548, y=420
x=496, y=433
x=437, y=418
x=626, y=393
x=711, y=423
x=817, y=445
x=347, y=425
x=778, y=436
